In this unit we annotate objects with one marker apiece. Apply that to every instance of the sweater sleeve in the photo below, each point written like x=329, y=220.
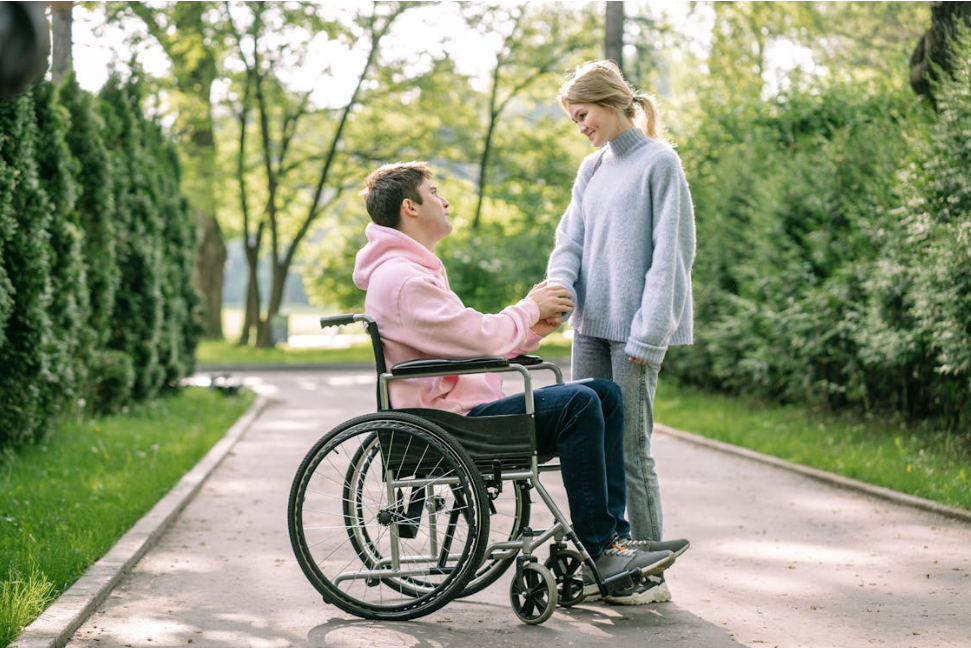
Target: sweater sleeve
x=563, y=267
x=440, y=325
x=667, y=284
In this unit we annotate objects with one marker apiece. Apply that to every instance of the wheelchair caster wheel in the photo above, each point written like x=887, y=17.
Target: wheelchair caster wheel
x=566, y=566
x=533, y=593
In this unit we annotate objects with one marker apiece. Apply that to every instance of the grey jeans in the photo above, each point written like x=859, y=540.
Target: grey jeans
x=600, y=358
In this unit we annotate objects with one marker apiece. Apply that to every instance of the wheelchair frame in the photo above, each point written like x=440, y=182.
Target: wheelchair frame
x=378, y=553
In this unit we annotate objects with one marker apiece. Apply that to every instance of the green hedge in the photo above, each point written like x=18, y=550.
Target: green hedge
x=833, y=236
x=97, y=305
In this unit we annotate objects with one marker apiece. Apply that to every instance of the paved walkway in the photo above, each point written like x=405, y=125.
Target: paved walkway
x=778, y=559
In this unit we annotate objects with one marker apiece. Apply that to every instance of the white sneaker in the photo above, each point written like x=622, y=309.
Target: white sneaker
x=652, y=590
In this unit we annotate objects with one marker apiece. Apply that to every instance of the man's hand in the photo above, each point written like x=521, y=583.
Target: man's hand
x=546, y=326
x=553, y=300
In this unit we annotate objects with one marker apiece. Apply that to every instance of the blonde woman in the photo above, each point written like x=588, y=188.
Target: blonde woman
x=625, y=246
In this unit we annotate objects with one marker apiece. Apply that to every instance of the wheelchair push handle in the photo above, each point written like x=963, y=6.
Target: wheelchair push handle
x=343, y=320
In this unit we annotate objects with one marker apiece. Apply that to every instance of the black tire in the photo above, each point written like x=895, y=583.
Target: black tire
x=345, y=548
x=567, y=568
x=533, y=593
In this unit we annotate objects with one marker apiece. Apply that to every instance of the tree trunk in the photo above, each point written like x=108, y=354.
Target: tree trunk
x=61, y=24
x=614, y=41
x=934, y=48
x=251, y=313
x=483, y=168
x=210, y=261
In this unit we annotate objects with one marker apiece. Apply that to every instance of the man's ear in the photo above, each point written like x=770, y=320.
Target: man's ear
x=408, y=207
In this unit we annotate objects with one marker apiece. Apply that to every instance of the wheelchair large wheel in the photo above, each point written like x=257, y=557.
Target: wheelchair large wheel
x=509, y=516
x=388, y=517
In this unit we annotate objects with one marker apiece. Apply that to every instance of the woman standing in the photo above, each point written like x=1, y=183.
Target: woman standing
x=625, y=246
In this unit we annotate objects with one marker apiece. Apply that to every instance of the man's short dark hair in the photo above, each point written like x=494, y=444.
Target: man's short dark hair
x=387, y=187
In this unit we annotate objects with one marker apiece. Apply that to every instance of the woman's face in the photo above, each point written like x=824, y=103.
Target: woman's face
x=597, y=123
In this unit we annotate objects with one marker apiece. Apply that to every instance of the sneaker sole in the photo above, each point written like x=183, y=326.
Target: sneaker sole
x=659, y=594
x=659, y=566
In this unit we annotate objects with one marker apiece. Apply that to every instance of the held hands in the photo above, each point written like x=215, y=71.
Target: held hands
x=553, y=300
x=546, y=326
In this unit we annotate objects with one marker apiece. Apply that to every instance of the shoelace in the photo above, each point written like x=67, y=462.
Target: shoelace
x=618, y=549
x=630, y=543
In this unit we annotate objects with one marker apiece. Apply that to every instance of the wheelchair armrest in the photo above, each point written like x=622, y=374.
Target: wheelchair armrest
x=445, y=367
x=526, y=360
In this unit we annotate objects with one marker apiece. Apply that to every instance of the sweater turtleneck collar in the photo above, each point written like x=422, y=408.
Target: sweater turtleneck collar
x=628, y=141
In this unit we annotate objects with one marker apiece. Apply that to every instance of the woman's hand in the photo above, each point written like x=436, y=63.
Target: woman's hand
x=546, y=326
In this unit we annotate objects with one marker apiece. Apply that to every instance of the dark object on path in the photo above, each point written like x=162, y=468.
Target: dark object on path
x=225, y=384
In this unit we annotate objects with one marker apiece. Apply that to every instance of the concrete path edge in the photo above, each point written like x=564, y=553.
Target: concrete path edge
x=821, y=475
x=58, y=623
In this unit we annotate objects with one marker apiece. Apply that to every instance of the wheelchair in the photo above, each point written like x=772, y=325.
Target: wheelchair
x=395, y=513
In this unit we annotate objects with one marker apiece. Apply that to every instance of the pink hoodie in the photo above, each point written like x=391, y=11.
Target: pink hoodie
x=420, y=317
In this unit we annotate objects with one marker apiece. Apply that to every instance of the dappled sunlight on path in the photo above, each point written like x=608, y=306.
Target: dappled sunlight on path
x=777, y=559
x=785, y=560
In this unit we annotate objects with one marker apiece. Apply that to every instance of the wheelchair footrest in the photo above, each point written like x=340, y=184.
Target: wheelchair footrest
x=622, y=581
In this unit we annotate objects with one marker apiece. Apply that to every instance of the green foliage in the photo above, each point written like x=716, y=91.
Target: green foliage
x=111, y=383
x=70, y=346
x=7, y=227
x=78, y=319
x=939, y=235
x=25, y=380
x=181, y=325
x=138, y=309
x=95, y=205
x=833, y=231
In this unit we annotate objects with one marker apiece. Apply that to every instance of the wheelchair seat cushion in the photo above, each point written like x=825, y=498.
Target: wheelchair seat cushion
x=507, y=438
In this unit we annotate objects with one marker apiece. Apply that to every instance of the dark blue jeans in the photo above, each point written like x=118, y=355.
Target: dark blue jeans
x=583, y=423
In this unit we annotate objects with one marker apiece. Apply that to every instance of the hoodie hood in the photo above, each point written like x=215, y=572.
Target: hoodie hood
x=388, y=245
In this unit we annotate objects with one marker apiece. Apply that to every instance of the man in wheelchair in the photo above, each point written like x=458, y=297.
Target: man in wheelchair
x=408, y=295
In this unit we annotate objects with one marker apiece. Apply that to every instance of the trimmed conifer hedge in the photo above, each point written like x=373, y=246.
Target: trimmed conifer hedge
x=97, y=304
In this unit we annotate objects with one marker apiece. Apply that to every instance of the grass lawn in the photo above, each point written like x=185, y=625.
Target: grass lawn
x=919, y=460
x=65, y=501
x=222, y=353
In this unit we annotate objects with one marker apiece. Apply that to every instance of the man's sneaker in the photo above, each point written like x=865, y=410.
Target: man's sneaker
x=677, y=547
x=617, y=559
x=652, y=590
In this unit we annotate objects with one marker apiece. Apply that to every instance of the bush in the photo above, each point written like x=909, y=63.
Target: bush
x=138, y=310
x=112, y=378
x=25, y=385
x=70, y=347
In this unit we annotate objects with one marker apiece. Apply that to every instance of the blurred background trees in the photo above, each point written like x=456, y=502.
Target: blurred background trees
x=826, y=145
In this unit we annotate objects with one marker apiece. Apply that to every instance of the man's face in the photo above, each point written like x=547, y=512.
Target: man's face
x=433, y=212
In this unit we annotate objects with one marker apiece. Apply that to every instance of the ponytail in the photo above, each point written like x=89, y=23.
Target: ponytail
x=650, y=119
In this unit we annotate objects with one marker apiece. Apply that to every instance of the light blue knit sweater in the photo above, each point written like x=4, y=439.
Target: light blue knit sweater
x=626, y=245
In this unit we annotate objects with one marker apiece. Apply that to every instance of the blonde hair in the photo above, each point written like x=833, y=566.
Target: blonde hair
x=602, y=83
